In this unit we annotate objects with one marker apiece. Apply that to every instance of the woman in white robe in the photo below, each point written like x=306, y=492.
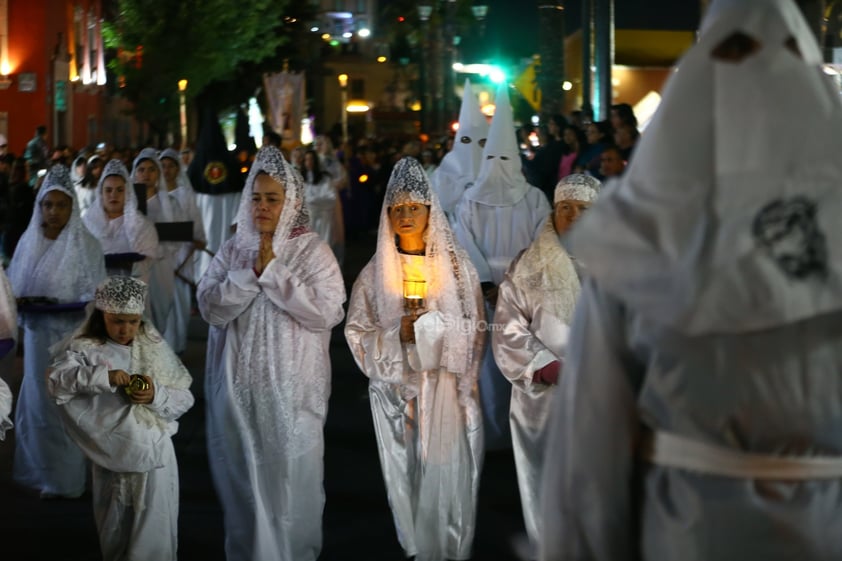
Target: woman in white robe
x=56, y=258
x=698, y=416
x=178, y=186
x=321, y=196
x=127, y=436
x=271, y=295
x=8, y=336
x=497, y=218
x=422, y=369
x=162, y=207
x=534, y=310
x=128, y=238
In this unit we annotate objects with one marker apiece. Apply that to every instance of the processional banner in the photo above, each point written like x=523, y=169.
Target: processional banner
x=285, y=95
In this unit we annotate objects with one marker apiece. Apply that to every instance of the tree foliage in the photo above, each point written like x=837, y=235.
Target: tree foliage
x=203, y=41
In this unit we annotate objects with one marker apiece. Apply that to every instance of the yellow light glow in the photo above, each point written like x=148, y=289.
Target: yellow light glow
x=488, y=109
x=414, y=290
x=343, y=80
x=415, y=106
x=357, y=106
x=182, y=85
x=454, y=126
x=5, y=68
x=363, y=178
x=326, y=36
x=244, y=169
x=381, y=59
x=566, y=86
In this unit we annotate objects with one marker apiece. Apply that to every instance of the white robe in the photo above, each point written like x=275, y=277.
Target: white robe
x=86, y=197
x=625, y=372
x=168, y=295
x=430, y=444
x=321, y=202
x=265, y=426
x=218, y=214
x=116, y=240
x=8, y=336
x=493, y=236
x=135, y=475
x=534, y=309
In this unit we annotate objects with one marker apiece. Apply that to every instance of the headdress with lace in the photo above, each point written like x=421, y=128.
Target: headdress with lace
x=445, y=264
x=182, y=181
x=68, y=268
x=739, y=229
x=546, y=266
x=161, y=188
x=97, y=221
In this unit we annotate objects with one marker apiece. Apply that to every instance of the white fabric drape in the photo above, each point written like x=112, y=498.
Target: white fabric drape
x=424, y=397
x=268, y=381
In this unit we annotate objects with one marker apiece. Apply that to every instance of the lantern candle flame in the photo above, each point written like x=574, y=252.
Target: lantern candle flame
x=414, y=293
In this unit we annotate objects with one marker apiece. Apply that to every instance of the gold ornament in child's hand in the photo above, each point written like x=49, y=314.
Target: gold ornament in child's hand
x=137, y=383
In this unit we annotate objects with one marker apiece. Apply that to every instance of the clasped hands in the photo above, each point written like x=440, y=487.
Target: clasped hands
x=121, y=378
x=265, y=254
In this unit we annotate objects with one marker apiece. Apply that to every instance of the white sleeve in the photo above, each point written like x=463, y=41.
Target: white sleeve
x=224, y=294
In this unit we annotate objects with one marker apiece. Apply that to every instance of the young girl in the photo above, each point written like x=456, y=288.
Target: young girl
x=120, y=389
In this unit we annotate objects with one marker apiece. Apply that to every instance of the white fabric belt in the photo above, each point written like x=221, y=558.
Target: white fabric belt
x=672, y=450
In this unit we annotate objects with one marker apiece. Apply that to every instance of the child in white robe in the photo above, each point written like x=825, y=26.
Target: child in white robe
x=120, y=389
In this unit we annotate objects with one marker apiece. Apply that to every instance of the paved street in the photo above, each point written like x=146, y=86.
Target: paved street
x=357, y=521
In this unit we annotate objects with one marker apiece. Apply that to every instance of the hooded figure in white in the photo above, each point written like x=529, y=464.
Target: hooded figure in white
x=459, y=167
x=129, y=240
x=66, y=269
x=707, y=337
x=8, y=336
x=183, y=196
x=534, y=312
x=272, y=295
x=423, y=392
x=497, y=218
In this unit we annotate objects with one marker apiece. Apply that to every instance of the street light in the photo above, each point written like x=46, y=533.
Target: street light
x=343, y=88
x=182, y=96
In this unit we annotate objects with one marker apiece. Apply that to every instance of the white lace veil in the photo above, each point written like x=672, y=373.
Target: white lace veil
x=182, y=181
x=500, y=181
x=97, y=221
x=294, y=217
x=446, y=266
x=161, y=189
x=68, y=268
x=739, y=229
x=546, y=266
x=265, y=356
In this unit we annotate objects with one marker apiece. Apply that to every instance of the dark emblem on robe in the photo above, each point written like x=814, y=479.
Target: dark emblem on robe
x=787, y=230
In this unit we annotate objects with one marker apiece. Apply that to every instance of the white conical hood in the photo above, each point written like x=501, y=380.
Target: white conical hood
x=500, y=181
x=460, y=166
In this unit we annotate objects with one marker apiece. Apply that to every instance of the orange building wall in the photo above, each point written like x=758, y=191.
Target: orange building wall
x=33, y=27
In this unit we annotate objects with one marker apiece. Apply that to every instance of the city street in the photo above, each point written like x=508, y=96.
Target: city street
x=357, y=521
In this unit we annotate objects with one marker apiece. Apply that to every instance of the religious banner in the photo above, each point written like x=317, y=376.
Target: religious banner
x=285, y=94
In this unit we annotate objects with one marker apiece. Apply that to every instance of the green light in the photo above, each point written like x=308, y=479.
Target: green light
x=497, y=75
x=334, y=43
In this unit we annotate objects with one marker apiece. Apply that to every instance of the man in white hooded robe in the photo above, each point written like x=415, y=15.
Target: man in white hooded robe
x=272, y=294
x=458, y=168
x=497, y=218
x=424, y=396
x=707, y=341
x=534, y=312
x=65, y=269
